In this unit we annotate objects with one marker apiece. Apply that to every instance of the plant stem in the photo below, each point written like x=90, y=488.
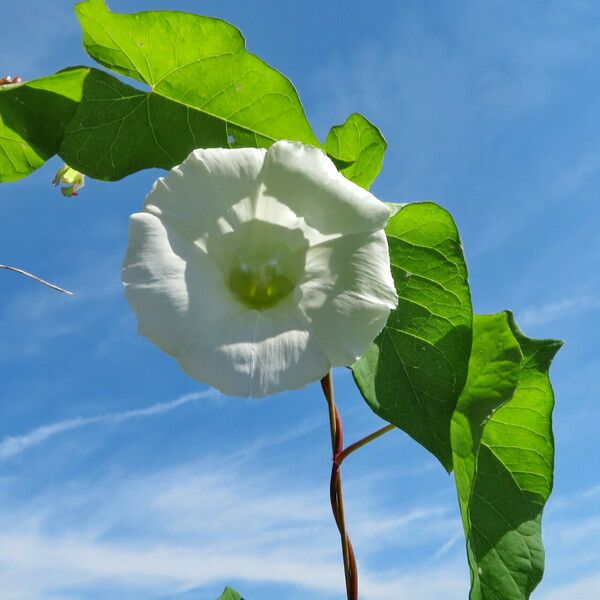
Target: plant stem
x=340, y=456
x=36, y=278
x=335, y=489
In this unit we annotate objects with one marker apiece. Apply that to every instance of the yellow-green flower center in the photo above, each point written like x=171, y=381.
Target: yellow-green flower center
x=260, y=284
x=262, y=262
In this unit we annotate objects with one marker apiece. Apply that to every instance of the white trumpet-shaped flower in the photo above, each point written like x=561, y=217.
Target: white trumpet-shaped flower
x=259, y=270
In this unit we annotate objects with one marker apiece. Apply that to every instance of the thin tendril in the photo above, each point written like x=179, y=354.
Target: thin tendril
x=38, y=279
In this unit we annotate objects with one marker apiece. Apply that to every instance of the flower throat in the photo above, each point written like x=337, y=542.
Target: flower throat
x=260, y=285
x=263, y=263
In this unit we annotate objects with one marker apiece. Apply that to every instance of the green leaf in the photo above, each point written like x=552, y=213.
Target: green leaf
x=32, y=120
x=413, y=373
x=494, y=369
x=206, y=91
x=229, y=594
x=118, y=130
x=362, y=145
x=503, y=457
x=204, y=87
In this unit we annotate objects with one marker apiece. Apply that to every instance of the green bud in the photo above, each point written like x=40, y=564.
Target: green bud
x=71, y=179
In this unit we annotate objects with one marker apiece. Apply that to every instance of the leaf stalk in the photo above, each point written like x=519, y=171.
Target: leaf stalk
x=340, y=456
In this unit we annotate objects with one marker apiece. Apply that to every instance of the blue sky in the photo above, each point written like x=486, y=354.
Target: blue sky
x=122, y=478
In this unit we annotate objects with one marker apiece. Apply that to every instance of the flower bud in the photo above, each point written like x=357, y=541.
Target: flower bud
x=72, y=180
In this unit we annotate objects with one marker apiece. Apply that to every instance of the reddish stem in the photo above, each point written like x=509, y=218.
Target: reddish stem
x=342, y=454
x=335, y=490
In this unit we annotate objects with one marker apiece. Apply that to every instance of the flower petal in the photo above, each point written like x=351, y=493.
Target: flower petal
x=257, y=353
x=347, y=293
x=223, y=213
x=210, y=192
x=306, y=180
x=173, y=287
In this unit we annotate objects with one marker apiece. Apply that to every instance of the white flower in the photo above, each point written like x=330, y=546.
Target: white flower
x=259, y=270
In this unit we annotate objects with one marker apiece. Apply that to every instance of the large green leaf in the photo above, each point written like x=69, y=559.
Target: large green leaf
x=118, y=129
x=32, y=120
x=360, y=143
x=503, y=457
x=205, y=87
x=415, y=370
x=206, y=90
x=229, y=594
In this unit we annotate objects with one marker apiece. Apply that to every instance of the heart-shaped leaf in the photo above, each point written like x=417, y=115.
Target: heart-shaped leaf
x=503, y=457
x=362, y=145
x=415, y=370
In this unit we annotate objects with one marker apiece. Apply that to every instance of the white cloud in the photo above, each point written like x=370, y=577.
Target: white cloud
x=449, y=545
x=585, y=588
x=228, y=518
x=13, y=445
x=208, y=523
x=454, y=89
x=456, y=76
x=224, y=519
x=554, y=311
x=35, y=567
x=32, y=316
x=572, y=539
x=414, y=527
x=567, y=501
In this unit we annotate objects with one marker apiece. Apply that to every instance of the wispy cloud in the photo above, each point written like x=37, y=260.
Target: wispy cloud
x=13, y=445
x=553, y=311
x=31, y=318
x=455, y=89
x=578, y=497
x=586, y=588
x=455, y=539
x=37, y=567
x=572, y=539
x=203, y=524
x=228, y=518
